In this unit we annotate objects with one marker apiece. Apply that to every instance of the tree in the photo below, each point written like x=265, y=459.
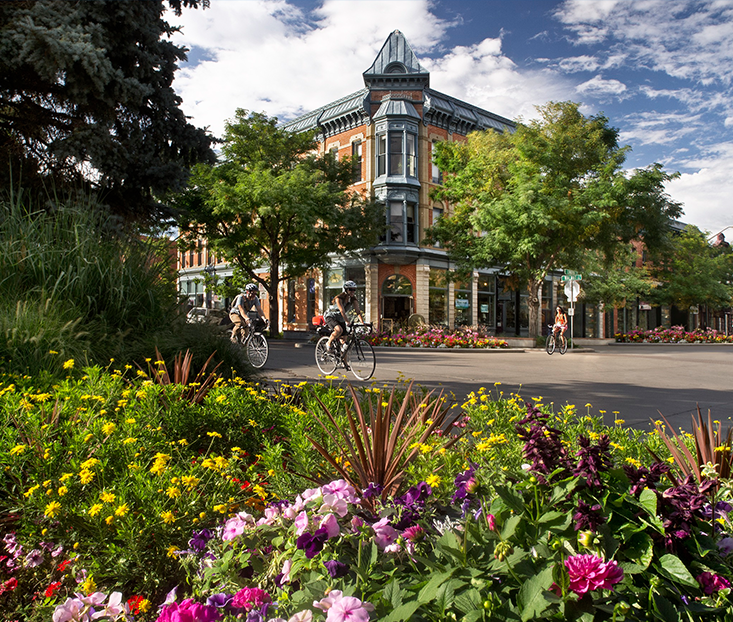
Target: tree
x=86, y=98
x=539, y=198
x=695, y=273
x=273, y=203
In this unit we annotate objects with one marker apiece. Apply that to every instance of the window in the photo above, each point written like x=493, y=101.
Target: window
x=334, y=151
x=462, y=303
x=334, y=284
x=396, y=163
x=356, y=151
x=291, y=300
x=486, y=294
x=397, y=154
x=438, y=297
x=402, y=225
x=436, y=174
x=183, y=260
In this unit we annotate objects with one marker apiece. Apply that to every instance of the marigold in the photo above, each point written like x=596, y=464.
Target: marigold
x=95, y=509
x=108, y=428
x=52, y=509
x=173, y=492
x=121, y=510
x=168, y=517
x=69, y=364
x=107, y=497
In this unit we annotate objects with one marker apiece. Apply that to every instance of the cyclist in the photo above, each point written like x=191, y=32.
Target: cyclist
x=343, y=305
x=245, y=308
x=561, y=323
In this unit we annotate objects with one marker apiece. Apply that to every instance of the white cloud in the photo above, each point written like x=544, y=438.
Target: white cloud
x=599, y=88
x=578, y=63
x=706, y=191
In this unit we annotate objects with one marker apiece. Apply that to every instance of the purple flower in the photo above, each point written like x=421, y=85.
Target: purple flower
x=219, y=601
x=466, y=484
x=188, y=611
x=593, y=460
x=710, y=583
x=199, y=540
x=680, y=507
x=312, y=544
x=642, y=478
x=588, y=516
x=373, y=490
x=543, y=445
x=34, y=558
x=336, y=569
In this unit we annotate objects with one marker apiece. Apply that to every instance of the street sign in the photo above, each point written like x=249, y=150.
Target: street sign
x=572, y=289
x=569, y=272
x=571, y=277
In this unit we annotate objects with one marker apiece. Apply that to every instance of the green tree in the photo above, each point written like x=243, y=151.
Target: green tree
x=695, y=273
x=86, y=98
x=537, y=199
x=273, y=204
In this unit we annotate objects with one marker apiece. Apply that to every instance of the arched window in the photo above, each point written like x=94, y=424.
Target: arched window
x=397, y=285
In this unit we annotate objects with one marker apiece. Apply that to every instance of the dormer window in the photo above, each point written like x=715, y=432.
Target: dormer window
x=395, y=68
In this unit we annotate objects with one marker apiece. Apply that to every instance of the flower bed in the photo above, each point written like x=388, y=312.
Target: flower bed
x=675, y=334
x=437, y=338
x=529, y=514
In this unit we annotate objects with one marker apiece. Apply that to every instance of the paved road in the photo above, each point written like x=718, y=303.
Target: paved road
x=636, y=381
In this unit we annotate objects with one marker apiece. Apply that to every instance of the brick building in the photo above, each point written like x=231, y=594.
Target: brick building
x=390, y=127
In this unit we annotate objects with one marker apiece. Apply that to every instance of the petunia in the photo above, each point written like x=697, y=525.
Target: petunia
x=336, y=568
x=331, y=525
x=384, y=533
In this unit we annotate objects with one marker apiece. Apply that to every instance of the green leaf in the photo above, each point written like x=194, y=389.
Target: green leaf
x=513, y=500
x=430, y=591
x=672, y=567
x=531, y=598
x=640, y=550
x=473, y=616
x=554, y=518
x=404, y=612
x=393, y=593
x=510, y=526
x=468, y=601
x=648, y=500
x=444, y=597
x=664, y=609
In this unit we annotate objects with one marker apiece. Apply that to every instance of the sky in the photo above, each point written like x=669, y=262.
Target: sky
x=661, y=71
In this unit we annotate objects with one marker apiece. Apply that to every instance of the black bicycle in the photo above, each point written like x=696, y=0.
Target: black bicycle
x=255, y=343
x=556, y=341
x=355, y=355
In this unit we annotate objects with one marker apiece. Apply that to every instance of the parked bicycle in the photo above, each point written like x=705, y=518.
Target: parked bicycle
x=556, y=339
x=255, y=343
x=355, y=354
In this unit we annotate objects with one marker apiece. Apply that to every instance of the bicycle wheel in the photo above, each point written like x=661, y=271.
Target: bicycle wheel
x=257, y=350
x=361, y=359
x=563, y=344
x=325, y=360
x=550, y=345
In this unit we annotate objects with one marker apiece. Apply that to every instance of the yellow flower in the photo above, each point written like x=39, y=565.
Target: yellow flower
x=144, y=605
x=66, y=476
x=88, y=437
x=221, y=508
x=18, y=450
x=432, y=480
x=425, y=449
x=121, y=510
x=214, y=434
x=52, y=509
x=220, y=399
x=130, y=421
x=31, y=490
x=173, y=492
x=129, y=440
x=95, y=509
x=633, y=461
x=168, y=517
x=88, y=464
x=259, y=490
x=189, y=481
x=109, y=520
x=107, y=497
x=108, y=428
x=159, y=465
x=183, y=442
x=171, y=551
x=86, y=476
x=62, y=491
x=620, y=421
x=69, y=364
x=89, y=586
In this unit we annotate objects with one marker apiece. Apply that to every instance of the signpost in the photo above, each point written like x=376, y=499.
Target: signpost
x=572, y=289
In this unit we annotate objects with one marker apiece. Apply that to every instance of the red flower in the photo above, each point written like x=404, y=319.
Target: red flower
x=52, y=589
x=9, y=585
x=133, y=603
x=64, y=564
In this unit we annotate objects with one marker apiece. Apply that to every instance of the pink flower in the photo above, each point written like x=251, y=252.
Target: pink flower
x=334, y=503
x=710, y=583
x=491, y=522
x=301, y=523
x=331, y=525
x=188, y=611
x=348, y=609
x=384, y=533
x=589, y=573
x=70, y=610
x=326, y=603
x=250, y=597
x=236, y=525
x=342, y=489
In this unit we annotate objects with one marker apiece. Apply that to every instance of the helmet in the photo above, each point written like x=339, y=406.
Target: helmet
x=349, y=285
x=251, y=287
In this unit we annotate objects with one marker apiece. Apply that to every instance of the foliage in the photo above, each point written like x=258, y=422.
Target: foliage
x=539, y=198
x=437, y=337
x=272, y=203
x=695, y=273
x=575, y=537
x=87, y=99
x=382, y=438
x=712, y=448
x=615, y=281
x=674, y=334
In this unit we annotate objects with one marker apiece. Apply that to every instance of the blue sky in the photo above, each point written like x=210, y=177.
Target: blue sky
x=660, y=70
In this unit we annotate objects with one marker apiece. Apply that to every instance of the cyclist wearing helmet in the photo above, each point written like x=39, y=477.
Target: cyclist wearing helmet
x=344, y=304
x=245, y=308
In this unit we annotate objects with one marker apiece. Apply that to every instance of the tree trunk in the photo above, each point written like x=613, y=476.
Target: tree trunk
x=533, y=304
x=274, y=302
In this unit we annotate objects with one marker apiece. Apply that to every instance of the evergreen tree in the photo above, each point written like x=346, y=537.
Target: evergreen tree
x=86, y=98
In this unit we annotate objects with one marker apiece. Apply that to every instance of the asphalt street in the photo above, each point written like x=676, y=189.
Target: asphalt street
x=632, y=382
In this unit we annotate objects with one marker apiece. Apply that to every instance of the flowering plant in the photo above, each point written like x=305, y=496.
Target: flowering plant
x=437, y=337
x=675, y=334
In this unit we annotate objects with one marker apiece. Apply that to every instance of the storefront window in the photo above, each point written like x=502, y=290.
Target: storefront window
x=486, y=295
x=462, y=303
x=438, y=297
x=334, y=284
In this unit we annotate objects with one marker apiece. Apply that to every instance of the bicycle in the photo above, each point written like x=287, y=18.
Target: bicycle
x=255, y=343
x=560, y=342
x=356, y=355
